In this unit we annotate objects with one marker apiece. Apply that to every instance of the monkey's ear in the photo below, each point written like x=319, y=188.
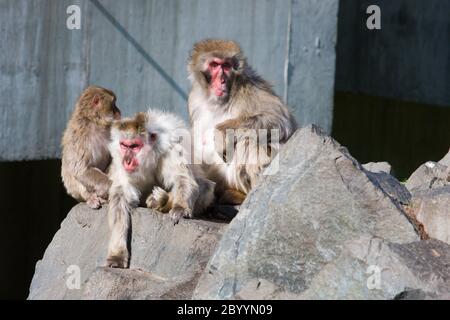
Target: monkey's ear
x=95, y=100
x=238, y=62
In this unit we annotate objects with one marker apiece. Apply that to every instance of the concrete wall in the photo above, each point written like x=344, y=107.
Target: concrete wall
x=139, y=49
x=408, y=59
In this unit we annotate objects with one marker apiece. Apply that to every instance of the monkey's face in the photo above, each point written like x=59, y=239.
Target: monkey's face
x=132, y=144
x=219, y=76
x=129, y=150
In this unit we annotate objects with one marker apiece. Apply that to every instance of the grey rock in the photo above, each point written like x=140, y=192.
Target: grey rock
x=418, y=294
x=377, y=167
x=380, y=173
x=391, y=186
x=432, y=209
x=445, y=161
x=372, y=268
x=308, y=205
x=163, y=257
x=427, y=176
x=117, y=284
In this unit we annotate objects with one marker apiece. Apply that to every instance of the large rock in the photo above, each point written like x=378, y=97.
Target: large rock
x=109, y=283
x=166, y=260
x=391, y=186
x=372, y=268
x=428, y=176
x=377, y=167
x=432, y=209
x=445, y=161
x=318, y=226
x=299, y=220
x=380, y=174
x=430, y=204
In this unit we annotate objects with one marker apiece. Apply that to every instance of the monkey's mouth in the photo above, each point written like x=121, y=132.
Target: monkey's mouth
x=221, y=90
x=130, y=164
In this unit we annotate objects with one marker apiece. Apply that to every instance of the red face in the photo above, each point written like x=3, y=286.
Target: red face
x=129, y=148
x=220, y=71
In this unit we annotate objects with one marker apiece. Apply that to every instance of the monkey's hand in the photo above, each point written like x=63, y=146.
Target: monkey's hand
x=233, y=124
x=95, y=202
x=178, y=212
x=159, y=200
x=95, y=181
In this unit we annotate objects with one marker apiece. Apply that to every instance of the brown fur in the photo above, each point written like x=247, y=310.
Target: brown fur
x=232, y=197
x=250, y=104
x=134, y=126
x=85, y=157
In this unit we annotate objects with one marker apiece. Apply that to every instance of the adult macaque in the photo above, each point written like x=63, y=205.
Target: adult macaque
x=150, y=166
x=228, y=95
x=85, y=155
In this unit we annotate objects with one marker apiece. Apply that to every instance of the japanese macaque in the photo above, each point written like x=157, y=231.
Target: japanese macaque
x=85, y=155
x=228, y=96
x=150, y=167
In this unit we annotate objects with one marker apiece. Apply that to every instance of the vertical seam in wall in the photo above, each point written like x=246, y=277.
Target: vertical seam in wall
x=334, y=80
x=288, y=51
x=87, y=44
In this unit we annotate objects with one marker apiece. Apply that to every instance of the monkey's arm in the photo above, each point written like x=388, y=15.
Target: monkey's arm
x=95, y=181
x=176, y=176
x=258, y=121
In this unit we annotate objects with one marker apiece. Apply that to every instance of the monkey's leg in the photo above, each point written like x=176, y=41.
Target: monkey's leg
x=185, y=192
x=119, y=222
x=95, y=181
x=250, y=161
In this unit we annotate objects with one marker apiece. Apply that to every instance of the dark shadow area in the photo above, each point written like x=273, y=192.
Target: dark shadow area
x=140, y=49
x=32, y=206
x=403, y=133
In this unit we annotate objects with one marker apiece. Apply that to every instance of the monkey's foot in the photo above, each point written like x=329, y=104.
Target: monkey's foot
x=232, y=197
x=117, y=261
x=95, y=202
x=178, y=212
x=159, y=200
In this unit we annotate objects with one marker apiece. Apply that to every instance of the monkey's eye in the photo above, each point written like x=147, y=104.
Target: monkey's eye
x=226, y=66
x=213, y=64
x=153, y=137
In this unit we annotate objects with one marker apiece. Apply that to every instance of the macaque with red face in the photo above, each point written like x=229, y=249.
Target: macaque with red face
x=150, y=167
x=228, y=96
x=85, y=155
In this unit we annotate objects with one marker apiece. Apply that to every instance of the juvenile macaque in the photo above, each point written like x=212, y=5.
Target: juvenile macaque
x=85, y=155
x=150, y=167
x=228, y=95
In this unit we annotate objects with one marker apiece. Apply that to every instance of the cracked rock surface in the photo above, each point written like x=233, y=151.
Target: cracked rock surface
x=318, y=226
x=307, y=209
